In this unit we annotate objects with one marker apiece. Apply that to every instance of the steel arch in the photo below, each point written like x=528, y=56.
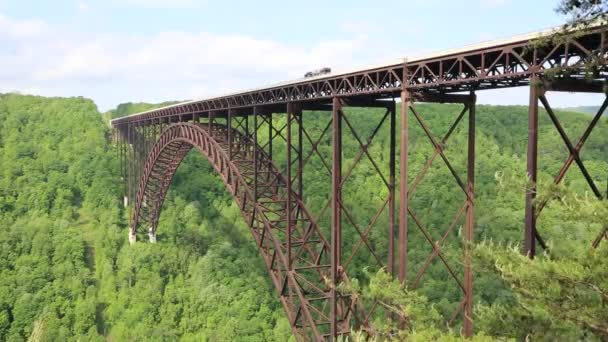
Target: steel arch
x=301, y=282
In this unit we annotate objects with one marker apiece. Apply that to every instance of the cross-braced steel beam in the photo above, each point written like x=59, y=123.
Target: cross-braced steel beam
x=533, y=208
x=464, y=283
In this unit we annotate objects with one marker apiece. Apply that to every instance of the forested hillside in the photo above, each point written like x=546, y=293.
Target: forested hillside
x=68, y=273
x=584, y=109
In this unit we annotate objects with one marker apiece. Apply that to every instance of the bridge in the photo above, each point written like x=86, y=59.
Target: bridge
x=304, y=251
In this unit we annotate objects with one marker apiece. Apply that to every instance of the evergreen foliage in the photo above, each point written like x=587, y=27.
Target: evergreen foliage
x=68, y=273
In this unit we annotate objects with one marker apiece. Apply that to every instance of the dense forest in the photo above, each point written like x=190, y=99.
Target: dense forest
x=67, y=271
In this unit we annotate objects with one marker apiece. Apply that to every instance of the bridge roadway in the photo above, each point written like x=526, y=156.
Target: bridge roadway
x=305, y=266
x=495, y=64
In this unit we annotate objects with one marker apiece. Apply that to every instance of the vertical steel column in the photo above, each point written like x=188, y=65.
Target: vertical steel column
x=255, y=154
x=148, y=138
x=125, y=167
x=141, y=149
x=288, y=217
x=391, y=198
x=229, y=118
x=137, y=147
x=136, y=138
x=270, y=134
x=130, y=162
x=247, y=135
x=470, y=223
x=134, y=146
x=146, y=129
x=209, y=121
x=403, y=191
x=144, y=140
x=336, y=217
x=300, y=157
x=154, y=133
x=530, y=209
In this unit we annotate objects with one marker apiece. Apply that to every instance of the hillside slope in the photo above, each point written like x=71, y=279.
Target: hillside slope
x=67, y=273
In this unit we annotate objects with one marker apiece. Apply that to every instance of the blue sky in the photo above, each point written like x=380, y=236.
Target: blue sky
x=136, y=50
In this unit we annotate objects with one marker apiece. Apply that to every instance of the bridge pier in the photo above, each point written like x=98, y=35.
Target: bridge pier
x=532, y=169
x=403, y=190
x=539, y=86
x=407, y=212
x=336, y=215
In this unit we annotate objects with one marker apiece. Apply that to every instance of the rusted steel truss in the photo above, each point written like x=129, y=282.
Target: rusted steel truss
x=493, y=67
x=262, y=148
x=533, y=208
x=297, y=256
x=465, y=283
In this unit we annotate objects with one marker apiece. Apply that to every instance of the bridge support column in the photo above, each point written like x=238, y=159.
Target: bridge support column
x=256, y=112
x=288, y=216
x=229, y=124
x=406, y=102
x=464, y=282
x=129, y=162
x=469, y=236
x=538, y=89
x=293, y=114
x=336, y=213
x=210, y=119
x=532, y=170
x=391, y=196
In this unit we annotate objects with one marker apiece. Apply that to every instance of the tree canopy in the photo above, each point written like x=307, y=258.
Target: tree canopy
x=68, y=273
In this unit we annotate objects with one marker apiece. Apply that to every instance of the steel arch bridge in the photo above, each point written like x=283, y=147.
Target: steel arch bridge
x=303, y=249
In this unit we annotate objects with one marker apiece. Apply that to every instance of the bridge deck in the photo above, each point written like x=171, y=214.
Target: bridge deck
x=494, y=64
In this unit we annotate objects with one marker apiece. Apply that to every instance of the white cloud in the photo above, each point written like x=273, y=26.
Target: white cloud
x=83, y=6
x=21, y=29
x=116, y=67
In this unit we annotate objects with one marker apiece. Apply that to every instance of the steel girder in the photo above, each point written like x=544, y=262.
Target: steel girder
x=264, y=190
x=503, y=65
x=297, y=259
x=408, y=214
x=534, y=208
x=301, y=261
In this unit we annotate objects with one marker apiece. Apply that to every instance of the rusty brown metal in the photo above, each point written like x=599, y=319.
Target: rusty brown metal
x=403, y=192
x=391, y=200
x=532, y=169
x=469, y=235
x=256, y=159
x=574, y=151
x=466, y=283
x=305, y=267
x=289, y=216
x=336, y=216
x=302, y=288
